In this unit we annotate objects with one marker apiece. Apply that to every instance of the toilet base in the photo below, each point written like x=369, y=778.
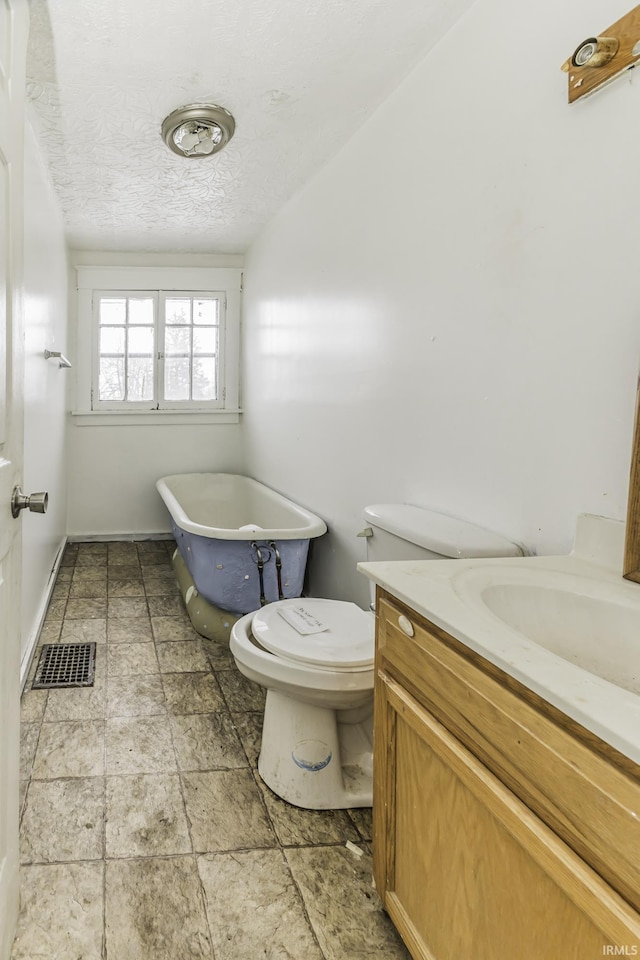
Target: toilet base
x=314, y=757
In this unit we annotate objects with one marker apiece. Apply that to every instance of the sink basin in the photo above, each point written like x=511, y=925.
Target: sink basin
x=580, y=620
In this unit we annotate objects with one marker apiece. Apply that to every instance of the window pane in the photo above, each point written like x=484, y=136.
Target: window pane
x=205, y=339
x=176, y=379
x=205, y=311
x=141, y=340
x=112, y=340
x=113, y=310
x=111, y=382
x=177, y=340
x=178, y=311
x=204, y=378
x=140, y=378
x=141, y=311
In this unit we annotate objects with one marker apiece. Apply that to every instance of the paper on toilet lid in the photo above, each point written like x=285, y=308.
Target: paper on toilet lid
x=345, y=637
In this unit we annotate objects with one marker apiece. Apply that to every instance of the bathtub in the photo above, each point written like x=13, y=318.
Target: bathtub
x=243, y=543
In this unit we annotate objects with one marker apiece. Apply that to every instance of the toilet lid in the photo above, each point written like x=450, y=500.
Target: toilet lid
x=325, y=633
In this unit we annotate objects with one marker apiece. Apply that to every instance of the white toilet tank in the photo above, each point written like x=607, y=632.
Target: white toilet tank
x=399, y=531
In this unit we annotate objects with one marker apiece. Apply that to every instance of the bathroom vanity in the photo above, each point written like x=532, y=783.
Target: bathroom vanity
x=503, y=825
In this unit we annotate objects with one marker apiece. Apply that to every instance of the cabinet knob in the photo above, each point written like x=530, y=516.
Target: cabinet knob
x=405, y=625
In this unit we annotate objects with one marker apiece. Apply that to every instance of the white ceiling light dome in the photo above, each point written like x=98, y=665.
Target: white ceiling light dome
x=198, y=130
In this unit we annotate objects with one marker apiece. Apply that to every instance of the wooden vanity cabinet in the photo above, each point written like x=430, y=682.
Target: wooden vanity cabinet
x=475, y=823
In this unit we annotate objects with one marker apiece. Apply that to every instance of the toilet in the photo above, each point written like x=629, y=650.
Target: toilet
x=315, y=657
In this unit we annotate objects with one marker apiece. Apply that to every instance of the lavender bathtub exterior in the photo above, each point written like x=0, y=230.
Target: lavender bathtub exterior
x=221, y=560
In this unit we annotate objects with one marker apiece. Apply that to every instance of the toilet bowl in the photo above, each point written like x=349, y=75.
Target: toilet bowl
x=315, y=658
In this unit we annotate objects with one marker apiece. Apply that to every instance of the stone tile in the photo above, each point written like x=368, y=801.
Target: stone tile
x=166, y=606
x=207, y=742
x=50, y=631
x=254, y=909
x=94, y=551
x=70, y=554
x=170, y=629
x=187, y=693
x=161, y=588
x=361, y=819
x=226, y=811
x=29, y=733
x=89, y=609
x=124, y=571
x=64, y=574
x=89, y=571
x=122, y=552
x=81, y=589
x=84, y=631
x=218, y=654
x=139, y=745
x=242, y=695
x=56, y=609
x=249, y=727
x=23, y=787
x=135, y=696
x=296, y=826
x=154, y=910
x=181, y=657
x=61, y=912
x=157, y=571
x=77, y=703
x=90, y=561
x=146, y=816
x=70, y=749
x=63, y=820
x=149, y=549
x=133, y=630
x=127, y=607
x=131, y=659
x=344, y=909
x=60, y=591
x=126, y=588
x=32, y=704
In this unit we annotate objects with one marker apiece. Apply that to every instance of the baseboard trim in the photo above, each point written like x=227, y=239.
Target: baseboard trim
x=42, y=612
x=108, y=537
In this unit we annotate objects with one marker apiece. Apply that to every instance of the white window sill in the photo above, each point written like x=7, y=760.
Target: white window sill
x=135, y=418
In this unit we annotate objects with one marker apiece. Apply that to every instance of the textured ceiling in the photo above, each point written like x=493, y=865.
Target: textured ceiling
x=298, y=75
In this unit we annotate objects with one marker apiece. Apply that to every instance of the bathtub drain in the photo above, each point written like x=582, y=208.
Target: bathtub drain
x=65, y=665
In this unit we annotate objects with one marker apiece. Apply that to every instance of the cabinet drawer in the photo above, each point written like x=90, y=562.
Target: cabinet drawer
x=558, y=770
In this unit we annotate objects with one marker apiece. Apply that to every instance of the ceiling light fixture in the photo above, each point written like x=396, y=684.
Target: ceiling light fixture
x=198, y=130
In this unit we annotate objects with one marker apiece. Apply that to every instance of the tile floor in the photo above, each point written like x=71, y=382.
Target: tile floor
x=146, y=831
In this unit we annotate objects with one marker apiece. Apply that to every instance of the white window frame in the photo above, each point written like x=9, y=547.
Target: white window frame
x=159, y=282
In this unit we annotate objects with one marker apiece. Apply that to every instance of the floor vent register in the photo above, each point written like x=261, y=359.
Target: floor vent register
x=65, y=665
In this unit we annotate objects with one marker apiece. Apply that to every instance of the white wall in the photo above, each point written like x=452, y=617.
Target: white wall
x=114, y=468
x=448, y=314
x=45, y=384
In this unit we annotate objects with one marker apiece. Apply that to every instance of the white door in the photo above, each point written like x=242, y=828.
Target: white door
x=13, y=43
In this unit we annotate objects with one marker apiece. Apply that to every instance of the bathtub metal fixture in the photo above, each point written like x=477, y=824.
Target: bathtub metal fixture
x=56, y=355
x=198, y=130
x=35, y=502
x=278, y=568
x=254, y=546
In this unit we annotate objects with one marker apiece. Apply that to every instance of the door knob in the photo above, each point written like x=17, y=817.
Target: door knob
x=35, y=503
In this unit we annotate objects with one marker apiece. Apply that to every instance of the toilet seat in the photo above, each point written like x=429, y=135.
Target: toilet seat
x=347, y=643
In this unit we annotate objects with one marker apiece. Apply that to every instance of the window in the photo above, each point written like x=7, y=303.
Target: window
x=158, y=349
x=169, y=348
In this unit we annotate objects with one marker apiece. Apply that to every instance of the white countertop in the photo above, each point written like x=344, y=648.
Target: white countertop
x=448, y=593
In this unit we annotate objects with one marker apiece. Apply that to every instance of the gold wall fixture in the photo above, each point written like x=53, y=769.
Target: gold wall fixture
x=599, y=60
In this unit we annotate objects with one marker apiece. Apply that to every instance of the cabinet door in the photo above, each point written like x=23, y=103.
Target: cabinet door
x=465, y=870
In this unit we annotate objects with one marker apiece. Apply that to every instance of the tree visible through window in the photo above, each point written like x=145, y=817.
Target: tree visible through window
x=159, y=349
